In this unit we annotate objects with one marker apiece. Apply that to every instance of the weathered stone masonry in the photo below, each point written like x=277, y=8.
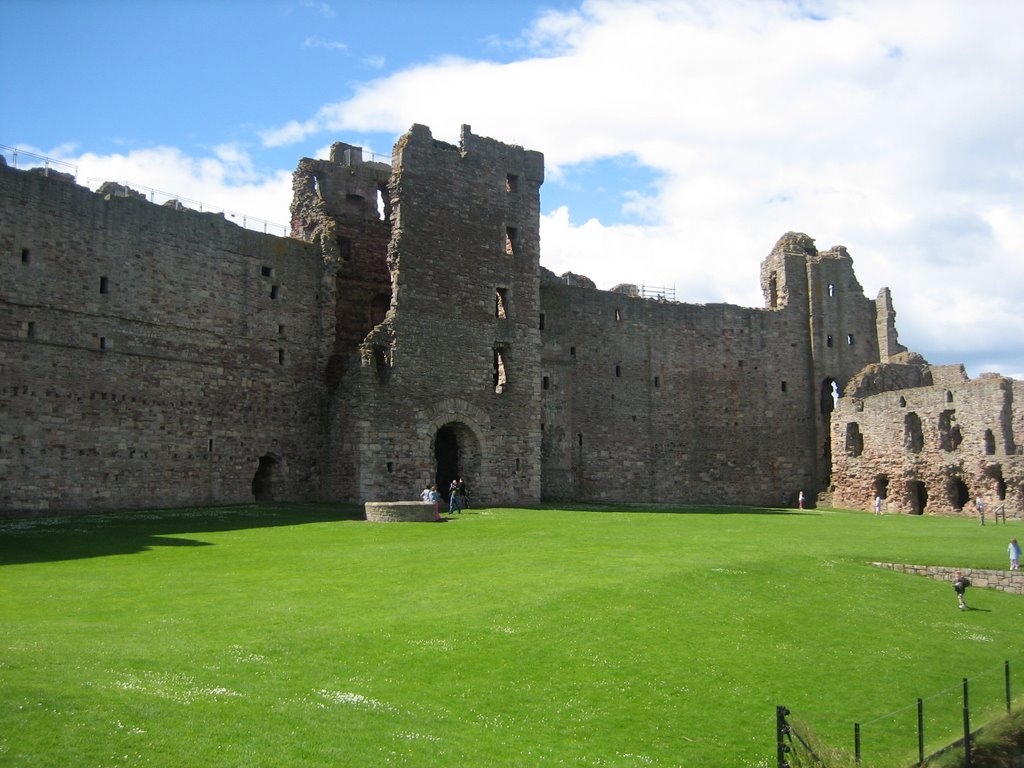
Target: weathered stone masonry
x=406, y=334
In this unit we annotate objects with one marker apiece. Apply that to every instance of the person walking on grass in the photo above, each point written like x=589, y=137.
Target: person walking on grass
x=1014, y=552
x=960, y=585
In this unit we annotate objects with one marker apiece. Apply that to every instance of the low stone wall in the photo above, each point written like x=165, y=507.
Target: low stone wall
x=399, y=512
x=1004, y=581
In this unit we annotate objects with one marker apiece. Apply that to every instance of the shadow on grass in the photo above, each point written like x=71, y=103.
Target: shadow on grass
x=49, y=539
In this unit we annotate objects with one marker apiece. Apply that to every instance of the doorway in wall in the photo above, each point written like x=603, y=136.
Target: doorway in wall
x=263, y=480
x=917, y=495
x=456, y=455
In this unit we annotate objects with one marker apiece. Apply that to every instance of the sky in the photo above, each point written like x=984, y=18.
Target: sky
x=682, y=138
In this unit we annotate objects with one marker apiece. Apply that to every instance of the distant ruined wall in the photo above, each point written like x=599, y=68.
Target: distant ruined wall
x=930, y=449
x=150, y=356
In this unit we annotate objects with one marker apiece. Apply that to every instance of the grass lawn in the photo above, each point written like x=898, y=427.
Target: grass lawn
x=301, y=636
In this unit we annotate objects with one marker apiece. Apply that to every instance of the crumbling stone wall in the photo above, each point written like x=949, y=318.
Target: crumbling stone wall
x=150, y=357
x=934, y=447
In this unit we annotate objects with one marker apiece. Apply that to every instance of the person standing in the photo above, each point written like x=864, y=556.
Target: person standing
x=800, y=500
x=960, y=585
x=878, y=505
x=1014, y=552
x=435, y=499
x=453, y=498
x=980, y=504
x=462, y=494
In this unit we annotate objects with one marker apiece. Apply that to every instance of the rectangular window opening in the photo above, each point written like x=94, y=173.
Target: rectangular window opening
x=280, y=330
x=30, y=329
x=618, y=314
x=618, y=371
x=391, y=466
x=280, y=357
x=657, y=382
x=275, y=291
x=345, y=247
x=266, y=271
x=849, y=339
x=26, y=256
x=540, y=325
x=783, y=386
x=209, y=446
x=511, y=183
x=547, y=382
x=572, y=351
x=104, y=284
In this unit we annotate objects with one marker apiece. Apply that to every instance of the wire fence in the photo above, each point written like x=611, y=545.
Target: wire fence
x=947, y=720
x=24, y=160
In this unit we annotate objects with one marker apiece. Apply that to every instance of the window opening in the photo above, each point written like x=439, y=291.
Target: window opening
x=500, y=371
x=26, y=256
x=618, y=314
x=104, y=284
x=510, y=240
x=831, y=289
x=917, y=493
x=540, y=324
x=849, y=339
x=511, y=183
x=391, y=466
x=579, y=439
x=949, y=396
x=783, y=386
x=263, y=480
x=266, y=271
x=104, y=343
x=773, y=291
x=913, y=437
x=30, y=329
x=501, y=303
x=903, y=402
x=657, y=382
x=546, y=382
x=618, y=371
x=854, y=440
x=990, y=442
x=949, y=431
x=344, y=248
x=280, y=357
x=572, y=351
x=209, y=445
x=280, y=330
x=828, y=341
x=274, y=291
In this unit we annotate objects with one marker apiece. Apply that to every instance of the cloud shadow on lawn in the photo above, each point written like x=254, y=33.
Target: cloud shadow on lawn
x=85, y=535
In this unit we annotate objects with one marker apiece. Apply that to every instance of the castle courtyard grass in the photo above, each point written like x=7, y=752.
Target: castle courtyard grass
x=300, y=635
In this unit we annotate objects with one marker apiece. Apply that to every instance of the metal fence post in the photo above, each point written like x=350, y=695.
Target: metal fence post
x=781, y=729
x=967, y=730
x=920, y=731
x=1006, y=674
x=856, y=742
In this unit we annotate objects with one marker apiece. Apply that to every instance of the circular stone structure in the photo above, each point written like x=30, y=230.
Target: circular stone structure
x=399, y=512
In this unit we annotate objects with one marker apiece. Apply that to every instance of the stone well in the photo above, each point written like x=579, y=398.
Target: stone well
x=399, y=512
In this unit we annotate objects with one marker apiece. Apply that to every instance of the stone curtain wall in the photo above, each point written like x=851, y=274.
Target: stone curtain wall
x=149, y=356
x=1004, y=581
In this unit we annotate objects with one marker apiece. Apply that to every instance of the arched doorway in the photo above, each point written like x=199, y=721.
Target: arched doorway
x=456, y=455
x=958, y=493
x=263, y=480
x=917, y=494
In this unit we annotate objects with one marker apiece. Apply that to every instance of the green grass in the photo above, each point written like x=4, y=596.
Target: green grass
x=301, y=636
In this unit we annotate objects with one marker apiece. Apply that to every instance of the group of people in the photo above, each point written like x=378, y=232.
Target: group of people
x=458, y=497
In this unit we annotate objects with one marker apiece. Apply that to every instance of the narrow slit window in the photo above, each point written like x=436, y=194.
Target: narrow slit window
x=104, y=284
x=500, y=371
x=510, y=240
x=783, y=386
x=828, y=341
x=547, y=382
x=501, y=303
x=849, y=339
x=275, y=291
x=30, y=329
x=511, y=183
x=831, y=289
x=657, y=382
x=572, y=351
x=26, y=256
x=618, y=371
x=540, y=324
x=618, y=314
x=280, y=357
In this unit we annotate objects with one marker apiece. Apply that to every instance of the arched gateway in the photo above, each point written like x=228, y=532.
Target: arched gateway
x=456, y=451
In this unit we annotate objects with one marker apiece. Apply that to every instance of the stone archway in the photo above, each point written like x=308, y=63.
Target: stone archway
x=263, y=480
x=456, y=452
x=917, y=495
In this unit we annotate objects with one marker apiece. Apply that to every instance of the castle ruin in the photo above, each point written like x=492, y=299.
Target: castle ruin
x=407, y=334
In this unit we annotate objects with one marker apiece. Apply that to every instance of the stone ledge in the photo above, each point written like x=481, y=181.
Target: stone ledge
x=399, y=512
x=1004, y=581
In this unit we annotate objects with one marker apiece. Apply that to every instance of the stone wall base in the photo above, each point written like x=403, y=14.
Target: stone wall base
x=1004, y=581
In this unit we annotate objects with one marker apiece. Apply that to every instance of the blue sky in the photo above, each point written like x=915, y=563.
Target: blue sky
x=682, y=138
